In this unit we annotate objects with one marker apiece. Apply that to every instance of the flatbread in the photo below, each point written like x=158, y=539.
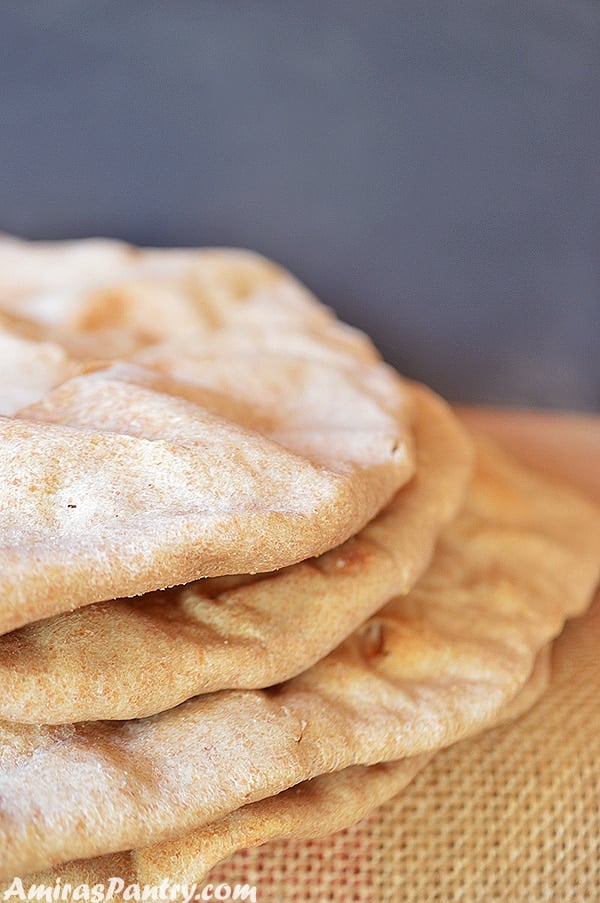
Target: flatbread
x=29, y=370
x=313, y=809
x=429, y=669
x=135, y=657
x=248, y=429
x=101, y=298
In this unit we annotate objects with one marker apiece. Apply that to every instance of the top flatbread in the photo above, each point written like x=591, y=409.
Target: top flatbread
x=427, y=670
x=133, y=657
x=106, y=299
x=248, y=429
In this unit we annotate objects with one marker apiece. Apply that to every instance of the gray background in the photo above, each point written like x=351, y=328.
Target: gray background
x=429, y=169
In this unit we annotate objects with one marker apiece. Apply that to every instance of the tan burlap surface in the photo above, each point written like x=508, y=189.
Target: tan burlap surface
x=512, y=816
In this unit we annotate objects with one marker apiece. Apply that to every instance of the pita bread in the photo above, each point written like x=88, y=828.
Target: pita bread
x=29, y=370
x=135, y=657
x=315, y=808
x=426, y=671
x=105, y=299
x=263, y=434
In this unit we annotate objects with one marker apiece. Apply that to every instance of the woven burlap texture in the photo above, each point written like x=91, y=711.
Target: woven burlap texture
x=512, y=816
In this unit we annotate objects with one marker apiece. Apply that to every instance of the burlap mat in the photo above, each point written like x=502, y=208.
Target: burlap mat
x=513, y=815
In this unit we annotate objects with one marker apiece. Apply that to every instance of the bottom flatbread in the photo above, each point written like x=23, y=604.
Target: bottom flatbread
x=313, y=809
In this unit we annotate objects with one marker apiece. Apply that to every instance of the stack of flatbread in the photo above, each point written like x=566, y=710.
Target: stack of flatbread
x=252, y=579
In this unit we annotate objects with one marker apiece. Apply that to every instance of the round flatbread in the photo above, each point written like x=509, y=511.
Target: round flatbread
x=313, y=809
x=246, y=431
x=134, y=657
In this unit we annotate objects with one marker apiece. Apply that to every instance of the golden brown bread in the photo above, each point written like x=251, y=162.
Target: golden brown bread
x=312, y=809
x=429, y=669
x=248, y=430
x=135, y=657
x=223, y=348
